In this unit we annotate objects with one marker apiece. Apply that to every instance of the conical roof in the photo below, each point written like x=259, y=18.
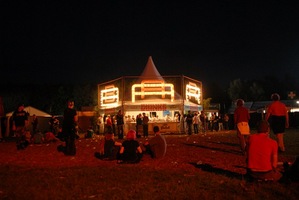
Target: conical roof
x=150, y=71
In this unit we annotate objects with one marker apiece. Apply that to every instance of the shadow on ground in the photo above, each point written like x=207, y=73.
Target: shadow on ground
x=219, y=171
x=215, y=149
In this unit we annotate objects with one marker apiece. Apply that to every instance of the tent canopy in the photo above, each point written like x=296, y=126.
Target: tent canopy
x=150, y=71
x=31, y=110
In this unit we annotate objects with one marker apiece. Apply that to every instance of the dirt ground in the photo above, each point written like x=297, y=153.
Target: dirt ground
x=220, y=150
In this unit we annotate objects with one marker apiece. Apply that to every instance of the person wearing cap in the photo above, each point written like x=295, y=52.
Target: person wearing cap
x=20, y=122
x=262, y=155
x=130, y=151
x=277, y=115
x=241, y=119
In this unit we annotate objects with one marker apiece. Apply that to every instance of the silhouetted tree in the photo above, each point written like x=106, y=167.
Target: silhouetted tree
x=238, y=89
x=206, y=103
x=256, y=92
x=85, y=95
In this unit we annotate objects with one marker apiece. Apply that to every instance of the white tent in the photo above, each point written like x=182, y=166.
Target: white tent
x=31, y=110
x=43, y=118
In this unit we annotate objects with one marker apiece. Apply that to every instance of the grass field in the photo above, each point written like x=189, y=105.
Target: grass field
x=204, y=166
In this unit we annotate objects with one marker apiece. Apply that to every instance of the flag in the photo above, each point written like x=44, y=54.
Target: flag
x=291, y=95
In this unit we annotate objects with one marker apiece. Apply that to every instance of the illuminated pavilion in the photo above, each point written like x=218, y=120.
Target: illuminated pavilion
x=157, y=96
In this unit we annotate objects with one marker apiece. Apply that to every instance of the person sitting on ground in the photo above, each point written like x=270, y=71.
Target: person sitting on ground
x=89, y=133
x=60, y=135
x=108, y=148
x=50, y=137
x=156, y=146
x=38, y=138
x=130, y=151
x=262, y=155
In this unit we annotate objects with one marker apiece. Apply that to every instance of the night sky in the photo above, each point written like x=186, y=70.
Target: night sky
x=211, y=41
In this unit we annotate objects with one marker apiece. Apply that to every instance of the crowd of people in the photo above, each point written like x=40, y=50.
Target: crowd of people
x=131, y=150
x=197, y=122
x=190, y=123
x=260, y=150
x=25, y=134
x=116, y=124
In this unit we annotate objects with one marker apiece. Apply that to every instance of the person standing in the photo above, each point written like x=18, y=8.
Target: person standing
x=262, y=155
x=214, y=122
x=225, y=122
x=34, y=124
x=203, y=123
x=241, y=119
x=99, y=124
x=20, y=122
x=120, y=124
x=138, y=125
x=114, y=124
x=145, y=121
x=69, y=129
x=109, y=124
x=220, y=123
x=189, y=119
x=211, y=120
x=195, y=123
x=277, y=115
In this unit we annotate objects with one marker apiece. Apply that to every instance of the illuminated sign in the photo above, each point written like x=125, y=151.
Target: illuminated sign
x=152, y=87
x=109, y=96
x=153, y=107
x=192, y=91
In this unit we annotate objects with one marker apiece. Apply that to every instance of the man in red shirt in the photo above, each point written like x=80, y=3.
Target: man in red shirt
x=277, y=114
x=241, y=119
x=262, y=154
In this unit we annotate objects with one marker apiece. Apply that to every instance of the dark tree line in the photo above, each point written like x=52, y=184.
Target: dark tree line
x=52, y=98
x=251, y=90
x=261, y=90
x=49, y=98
